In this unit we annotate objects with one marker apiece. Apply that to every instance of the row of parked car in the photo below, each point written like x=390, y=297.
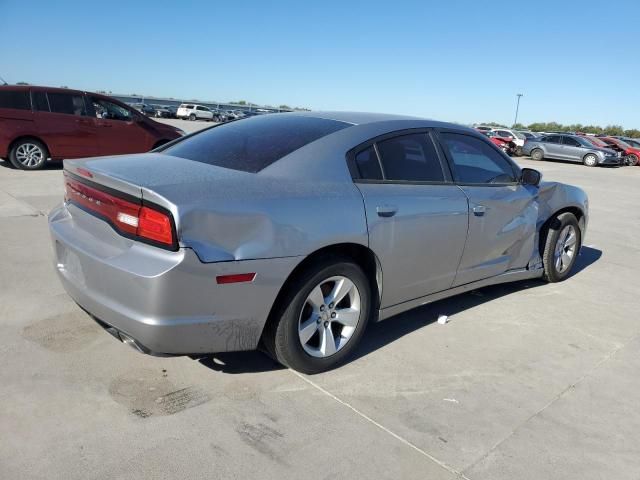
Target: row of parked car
x=194, y=111
x=591, y=150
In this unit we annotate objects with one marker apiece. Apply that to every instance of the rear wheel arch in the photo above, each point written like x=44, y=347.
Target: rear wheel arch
x=361, y=255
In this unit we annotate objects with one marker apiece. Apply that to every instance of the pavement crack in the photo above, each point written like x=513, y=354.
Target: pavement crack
x=403, y=440
x=560, y=395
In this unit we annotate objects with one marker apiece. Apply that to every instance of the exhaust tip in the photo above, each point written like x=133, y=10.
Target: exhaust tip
x=127, y=340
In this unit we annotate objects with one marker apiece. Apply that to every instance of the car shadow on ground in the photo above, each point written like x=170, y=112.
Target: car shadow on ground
x=381, y=334
x=55, y=165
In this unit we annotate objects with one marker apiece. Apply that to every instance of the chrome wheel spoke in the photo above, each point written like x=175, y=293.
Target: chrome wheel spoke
x=347, y=316
x=316, y=299
x=327, y=342
x=571, y=239
x=308, y=329
x=340, y=290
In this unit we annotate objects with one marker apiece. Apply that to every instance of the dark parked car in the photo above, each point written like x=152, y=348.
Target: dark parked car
x=144, y=108
x=37, y=123
x=165, y=111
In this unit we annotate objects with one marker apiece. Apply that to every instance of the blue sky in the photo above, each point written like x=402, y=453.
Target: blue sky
x=450, y=60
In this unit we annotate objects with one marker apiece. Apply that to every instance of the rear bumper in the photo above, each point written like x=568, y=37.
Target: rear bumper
x=168, y=302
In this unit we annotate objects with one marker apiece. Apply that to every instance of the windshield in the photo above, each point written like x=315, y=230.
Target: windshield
x=584, y=142
x=618, y=142
x=632, y=142
x=255, y=143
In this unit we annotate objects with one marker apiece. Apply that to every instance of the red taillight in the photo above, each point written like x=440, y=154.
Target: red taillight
x=127, y=217
x=155, y=225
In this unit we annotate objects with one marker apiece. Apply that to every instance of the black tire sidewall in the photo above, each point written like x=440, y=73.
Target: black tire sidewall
x=557, y=225
x=286, y=345
x=14, y=160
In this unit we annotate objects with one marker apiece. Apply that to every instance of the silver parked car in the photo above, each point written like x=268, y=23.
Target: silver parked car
x=293, y=231
x=570, y=147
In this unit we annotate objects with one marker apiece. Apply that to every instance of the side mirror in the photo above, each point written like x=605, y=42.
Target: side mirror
x=530, y=177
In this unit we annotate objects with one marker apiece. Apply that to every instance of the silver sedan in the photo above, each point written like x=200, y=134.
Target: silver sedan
x=292, y=231
x=573, y=148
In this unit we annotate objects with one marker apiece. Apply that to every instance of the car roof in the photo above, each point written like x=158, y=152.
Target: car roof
x=365, y=118
x=38, y=87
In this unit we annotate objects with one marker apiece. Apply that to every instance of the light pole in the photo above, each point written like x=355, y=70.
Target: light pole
x=517, y=107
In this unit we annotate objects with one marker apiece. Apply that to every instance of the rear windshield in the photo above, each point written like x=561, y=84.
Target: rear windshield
x=254, y=143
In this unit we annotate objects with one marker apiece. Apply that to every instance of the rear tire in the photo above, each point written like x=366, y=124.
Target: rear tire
x=29, y=154
x=537, y=154
x=590, y=160
x=561, y=247
x=192, y=117
x=306, y=331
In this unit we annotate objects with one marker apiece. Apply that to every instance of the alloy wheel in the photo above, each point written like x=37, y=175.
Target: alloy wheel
x=590, y=160
x=564, y=254
x=329, y=316
x=29, y=155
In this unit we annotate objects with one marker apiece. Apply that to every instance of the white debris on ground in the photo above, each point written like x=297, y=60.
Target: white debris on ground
x=442, y=319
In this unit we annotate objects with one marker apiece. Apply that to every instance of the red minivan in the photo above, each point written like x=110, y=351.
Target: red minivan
x=37, y=123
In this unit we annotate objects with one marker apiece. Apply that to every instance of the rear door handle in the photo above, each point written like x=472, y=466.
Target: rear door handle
x=479, y=210
x=386, y=210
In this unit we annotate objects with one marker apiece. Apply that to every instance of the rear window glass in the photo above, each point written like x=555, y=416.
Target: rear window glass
x=255, y=143
x=16, y=99
x=68, y=103
x=40, y=102
x=368, y=165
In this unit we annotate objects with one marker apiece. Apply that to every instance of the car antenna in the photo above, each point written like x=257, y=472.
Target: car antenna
x=4, y=82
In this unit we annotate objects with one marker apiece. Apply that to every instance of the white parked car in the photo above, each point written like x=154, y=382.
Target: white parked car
x=518, y=138
x=194, y=112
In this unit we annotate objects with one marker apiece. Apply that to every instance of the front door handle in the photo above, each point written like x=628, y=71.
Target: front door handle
x=479, y=210
x=386, y=210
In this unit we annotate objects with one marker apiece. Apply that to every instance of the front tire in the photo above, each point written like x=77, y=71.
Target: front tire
x=192, y=117
x=561, y=247
x=590, y=160
x=537, y=154
x=29, y=154
x=321, y=318
x=631, y=160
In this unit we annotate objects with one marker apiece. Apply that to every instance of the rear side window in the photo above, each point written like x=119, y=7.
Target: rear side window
x=476, y=162
x=67, y=103
x=368, y=165
x=552, y=139
x=572, y=142
x=410, y=158
x=40, y=102
x=254, y=143
x=16, y=99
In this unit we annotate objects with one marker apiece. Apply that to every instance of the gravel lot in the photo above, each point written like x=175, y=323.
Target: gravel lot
x=527, y=381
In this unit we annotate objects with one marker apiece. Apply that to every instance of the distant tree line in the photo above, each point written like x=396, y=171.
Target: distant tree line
x=575, y=127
